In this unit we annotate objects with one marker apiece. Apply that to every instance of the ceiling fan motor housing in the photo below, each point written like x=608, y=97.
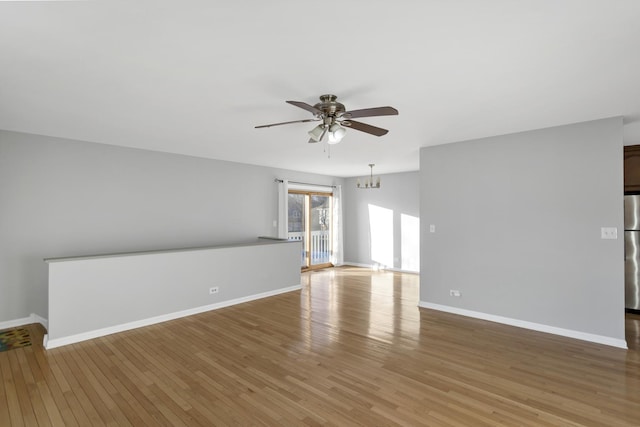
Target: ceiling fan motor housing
x=329, y=106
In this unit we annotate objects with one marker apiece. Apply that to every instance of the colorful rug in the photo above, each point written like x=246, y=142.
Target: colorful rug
x=14, y=338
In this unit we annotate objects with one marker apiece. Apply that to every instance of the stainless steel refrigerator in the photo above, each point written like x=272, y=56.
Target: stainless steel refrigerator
x=632, y=252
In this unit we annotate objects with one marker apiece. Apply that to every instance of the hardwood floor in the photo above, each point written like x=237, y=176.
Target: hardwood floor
x=351, y=348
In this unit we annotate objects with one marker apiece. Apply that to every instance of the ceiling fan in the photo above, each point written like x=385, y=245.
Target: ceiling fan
x=335, y=119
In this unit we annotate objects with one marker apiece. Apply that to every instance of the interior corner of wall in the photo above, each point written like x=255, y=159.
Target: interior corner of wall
x=39, y=319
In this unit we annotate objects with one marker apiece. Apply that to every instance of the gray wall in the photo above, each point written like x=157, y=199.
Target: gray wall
x=400, y=194
x=120, y=292
x=65, y=198
x=518, y=222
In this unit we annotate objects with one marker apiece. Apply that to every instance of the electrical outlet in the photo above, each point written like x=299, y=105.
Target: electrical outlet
x=214, y=290
x=608, y=233
x=454, y=293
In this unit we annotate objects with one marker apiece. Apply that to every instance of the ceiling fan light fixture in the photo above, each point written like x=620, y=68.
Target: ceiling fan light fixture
x=317, y=132
x=336, y=133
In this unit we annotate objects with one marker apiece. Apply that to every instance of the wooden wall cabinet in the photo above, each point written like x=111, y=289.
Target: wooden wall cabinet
x=632, y=169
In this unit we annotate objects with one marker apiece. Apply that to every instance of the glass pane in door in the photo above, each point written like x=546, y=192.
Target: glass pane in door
x=297, y=222
x=320, y=227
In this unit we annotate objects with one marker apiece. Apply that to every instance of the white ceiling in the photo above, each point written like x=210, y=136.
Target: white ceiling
x=195, y=77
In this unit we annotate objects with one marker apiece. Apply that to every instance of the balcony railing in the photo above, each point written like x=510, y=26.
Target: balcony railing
x=320, y=246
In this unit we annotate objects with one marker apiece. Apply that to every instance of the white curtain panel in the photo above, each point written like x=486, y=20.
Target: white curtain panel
x=283, y=209
x=337, y=255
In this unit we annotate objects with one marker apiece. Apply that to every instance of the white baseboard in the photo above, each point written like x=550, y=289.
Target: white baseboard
x=16, y=322
x=378, y=267
x=600, y=339
x=37, y=319
x=33, y=318
x=72, y=339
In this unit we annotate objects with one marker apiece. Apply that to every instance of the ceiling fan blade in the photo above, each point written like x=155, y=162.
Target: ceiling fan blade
x=370, y=112
x=286, y=123
x=363, y=127
x=305, y=106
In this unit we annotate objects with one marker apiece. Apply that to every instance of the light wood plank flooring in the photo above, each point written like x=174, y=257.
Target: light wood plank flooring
x=351, y=348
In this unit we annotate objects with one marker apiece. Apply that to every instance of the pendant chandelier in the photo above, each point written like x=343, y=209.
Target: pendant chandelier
x=369, y=182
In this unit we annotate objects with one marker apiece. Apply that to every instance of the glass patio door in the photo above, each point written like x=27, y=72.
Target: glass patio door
x=310, y=223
